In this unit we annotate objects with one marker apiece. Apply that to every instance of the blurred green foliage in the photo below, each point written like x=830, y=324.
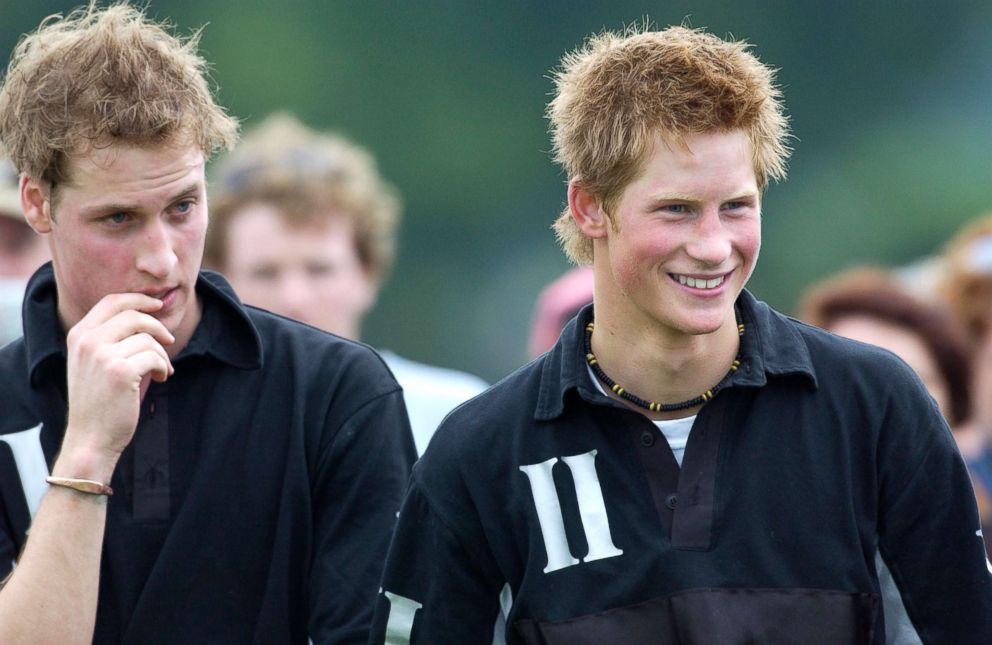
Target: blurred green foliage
x=891, y=106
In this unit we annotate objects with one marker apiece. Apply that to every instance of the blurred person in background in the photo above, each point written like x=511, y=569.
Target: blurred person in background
x=965, y=285
x=870, y=305
x=303, y=225
x=686, y=465
x=175, y=467
x=22, y=251
x=558, y=303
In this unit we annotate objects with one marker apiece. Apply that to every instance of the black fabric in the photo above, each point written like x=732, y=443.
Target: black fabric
x=724, y=616
x=287, y=452
x=150, y=476
x=15, y=517
x=820, y=454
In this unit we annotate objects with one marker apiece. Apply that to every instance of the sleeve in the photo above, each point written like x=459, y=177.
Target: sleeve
x=440, y=584
x=15, y=516
x=8, y=551
x=936, y=581
x=358, y=489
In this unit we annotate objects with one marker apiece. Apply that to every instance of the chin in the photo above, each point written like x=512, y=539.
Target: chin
x=700, y=326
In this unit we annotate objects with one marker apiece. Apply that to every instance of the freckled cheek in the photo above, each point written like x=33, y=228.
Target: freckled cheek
x=189, y=246
x=91, y=271
x=749, y=244
x=634, y=268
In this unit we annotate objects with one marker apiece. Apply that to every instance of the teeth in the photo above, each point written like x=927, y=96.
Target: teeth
x=699, y=283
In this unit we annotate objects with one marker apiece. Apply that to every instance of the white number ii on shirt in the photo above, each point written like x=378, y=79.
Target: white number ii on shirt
x=592, y=510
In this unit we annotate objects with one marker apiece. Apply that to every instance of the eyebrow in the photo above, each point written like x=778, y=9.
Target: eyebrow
x=193, y=188
x=116, y=207
x=674, y=197
x=687, y=197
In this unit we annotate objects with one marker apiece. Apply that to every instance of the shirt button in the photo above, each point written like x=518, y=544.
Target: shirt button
x=672, y=501
x=647, y=438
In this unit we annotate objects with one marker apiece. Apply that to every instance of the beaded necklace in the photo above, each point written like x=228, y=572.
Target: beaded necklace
x=651, y=406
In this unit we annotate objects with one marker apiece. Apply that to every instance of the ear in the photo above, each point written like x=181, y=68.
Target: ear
x=35, y=204
x=586, y=211
x=371, y=283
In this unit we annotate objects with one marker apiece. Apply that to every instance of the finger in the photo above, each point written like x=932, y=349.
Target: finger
x=129, y=323
x=139, y=343
x=115, y=303
x=148, y=363
x=143, y=387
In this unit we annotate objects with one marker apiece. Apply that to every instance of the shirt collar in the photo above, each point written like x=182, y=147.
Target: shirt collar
x=770, y=347
x=225, y=332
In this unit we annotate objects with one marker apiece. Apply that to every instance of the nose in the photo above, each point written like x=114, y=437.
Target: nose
x=295, y=294
x=710, y=242
x=156, y=252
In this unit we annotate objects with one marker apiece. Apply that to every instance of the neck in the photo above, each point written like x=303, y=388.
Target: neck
x=664, y=367
x=184, y=332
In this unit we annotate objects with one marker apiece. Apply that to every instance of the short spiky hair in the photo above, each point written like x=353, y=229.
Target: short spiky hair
x=309, y=177
x=618, y=91
x=102, y=76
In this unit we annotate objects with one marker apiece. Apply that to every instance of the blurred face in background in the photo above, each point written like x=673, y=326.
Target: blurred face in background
x=22, y=250
x=902, y=342
x=309, y=272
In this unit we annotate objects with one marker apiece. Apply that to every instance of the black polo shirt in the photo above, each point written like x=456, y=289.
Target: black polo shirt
x=256, y=499
x=822, y=480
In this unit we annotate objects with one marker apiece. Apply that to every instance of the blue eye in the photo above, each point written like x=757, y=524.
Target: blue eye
x=675, y=208
x=184, y=207
x=117, y=218
x=738, y=204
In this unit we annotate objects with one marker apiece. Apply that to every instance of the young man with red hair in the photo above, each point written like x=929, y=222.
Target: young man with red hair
x=686, y=465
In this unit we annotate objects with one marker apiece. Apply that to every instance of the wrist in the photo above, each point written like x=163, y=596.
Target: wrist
x=84, y=462
x=86, y=486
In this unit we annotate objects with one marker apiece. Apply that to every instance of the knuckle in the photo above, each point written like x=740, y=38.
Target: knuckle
x=75, y=335
x=83, y=344
x=119, y=371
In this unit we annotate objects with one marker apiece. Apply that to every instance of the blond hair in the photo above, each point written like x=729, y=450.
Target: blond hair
x=618, y=91
x=309, y=177
x=102, y=76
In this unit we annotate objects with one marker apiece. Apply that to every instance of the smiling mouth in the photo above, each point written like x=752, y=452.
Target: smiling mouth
x=698, y=283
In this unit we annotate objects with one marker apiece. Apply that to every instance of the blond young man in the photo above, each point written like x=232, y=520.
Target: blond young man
x=216, y=474
x=686, y=465
x=304, y=225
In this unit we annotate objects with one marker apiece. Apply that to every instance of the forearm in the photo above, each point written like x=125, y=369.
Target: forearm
x=51, y=596
x=112, y=354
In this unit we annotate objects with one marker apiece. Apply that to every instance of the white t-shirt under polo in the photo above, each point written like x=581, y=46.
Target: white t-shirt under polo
x=676, y=431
